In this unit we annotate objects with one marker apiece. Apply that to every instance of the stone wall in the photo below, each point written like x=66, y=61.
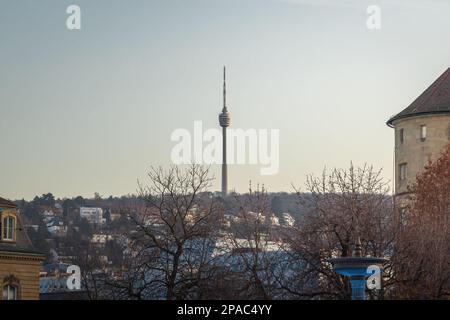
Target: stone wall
x=415, y=152
x=23, y=268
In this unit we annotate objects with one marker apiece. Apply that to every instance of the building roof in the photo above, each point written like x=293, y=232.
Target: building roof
x=6, y=203
x=52, y=267
x=434, y=100
x=23, y=244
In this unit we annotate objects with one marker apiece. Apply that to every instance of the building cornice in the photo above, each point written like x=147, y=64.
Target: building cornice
x=391, y=121
x=7, y=255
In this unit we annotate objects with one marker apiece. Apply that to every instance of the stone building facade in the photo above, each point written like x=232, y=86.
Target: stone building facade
x=422, y=131
x=20, y=262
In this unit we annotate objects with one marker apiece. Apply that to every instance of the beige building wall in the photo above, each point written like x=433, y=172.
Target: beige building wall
x=414, y=151
x=24, y=271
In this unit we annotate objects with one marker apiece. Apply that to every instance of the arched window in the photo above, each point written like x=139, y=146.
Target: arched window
x=10, y=292
x=9, y=228
x=11, y=288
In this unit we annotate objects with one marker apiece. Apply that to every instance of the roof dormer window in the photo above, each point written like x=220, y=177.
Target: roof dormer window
x=8, y=227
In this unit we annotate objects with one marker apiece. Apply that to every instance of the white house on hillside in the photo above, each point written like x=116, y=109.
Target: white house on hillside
x=93, y=215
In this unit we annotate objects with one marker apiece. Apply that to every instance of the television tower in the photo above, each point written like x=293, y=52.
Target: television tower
x=224, y=121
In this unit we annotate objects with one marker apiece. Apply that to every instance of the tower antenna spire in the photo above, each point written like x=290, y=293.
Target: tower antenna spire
x=224, y=89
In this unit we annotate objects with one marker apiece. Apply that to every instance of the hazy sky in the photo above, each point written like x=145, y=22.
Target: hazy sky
x=91, y=110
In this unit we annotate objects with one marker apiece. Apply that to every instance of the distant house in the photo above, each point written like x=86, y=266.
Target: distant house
x=19, y=260
x=101, y=239
x=92, y=215
x=56, y=227
x=257, y=216
x=59, y=207
x=274, y=220
x=287, y=219
x=114, y=216
x=47, y=213
x=226, y=245
x=50, y=211
x=111, y=214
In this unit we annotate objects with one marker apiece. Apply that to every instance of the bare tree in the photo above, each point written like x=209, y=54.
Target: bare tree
x=342, y=205
x=249, y=244
x=92, y=272
x=174, y=234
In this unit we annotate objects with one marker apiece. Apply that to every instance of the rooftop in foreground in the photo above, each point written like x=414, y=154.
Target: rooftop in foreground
x=6, y=203
x=434, y=100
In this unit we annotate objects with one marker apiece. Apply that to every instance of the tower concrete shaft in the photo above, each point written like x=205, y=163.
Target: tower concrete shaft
x=224, y=163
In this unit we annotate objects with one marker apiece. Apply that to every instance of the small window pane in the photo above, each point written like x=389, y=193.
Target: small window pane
x=8, y=228
x=9, y=292
x=423, y=132
x=402, y=169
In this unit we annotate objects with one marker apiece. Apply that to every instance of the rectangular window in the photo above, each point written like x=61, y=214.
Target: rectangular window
x=401, y=135
x=423, y=132
x=8, y=228
x=402, y=171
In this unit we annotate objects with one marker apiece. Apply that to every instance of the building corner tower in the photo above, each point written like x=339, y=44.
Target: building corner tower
x=224, y=121
x=422, y=131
